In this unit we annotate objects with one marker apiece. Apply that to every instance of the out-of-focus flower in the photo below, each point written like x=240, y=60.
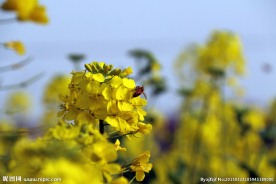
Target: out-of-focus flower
x=78, y=173
x=121, y=180
x=255, y=119
x=58, y=86
x=222, y=51
x=39, y=15
x=17, y=46
x=111, y=169
x=77, y=147
x=17, y=102
x=27, y=10
x=141, y=165
x=220, y=58
x=144, y=128
x=155, y=66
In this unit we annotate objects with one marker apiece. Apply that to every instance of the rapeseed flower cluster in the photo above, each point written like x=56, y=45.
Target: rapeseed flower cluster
x=222, y=52
x=78, y=141
x=215, y=136
x=56, y=87
x=220, y=59
x=103, y=94
x=19, y=101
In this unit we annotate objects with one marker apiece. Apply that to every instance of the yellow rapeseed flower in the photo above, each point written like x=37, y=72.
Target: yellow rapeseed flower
x=144, y=128
x=17, y=46
x=222, y=51
x=255, y=119
x=39, y=15
x=27, y=10
x=155, y=66
x=141, y=165
x=17, y=102
x=57, y=86
x=102, y=94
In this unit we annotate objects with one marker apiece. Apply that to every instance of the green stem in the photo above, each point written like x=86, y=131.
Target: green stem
x=22, y=84
x=15, y=66
x=8, y=20
x=101, y=126
x=131, y=180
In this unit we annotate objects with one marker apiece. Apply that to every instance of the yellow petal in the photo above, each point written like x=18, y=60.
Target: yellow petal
x=140, y=175
x=113, y=169
x=122, y=93
x=118, y=147
x=112, y=107
x=98, y=77
x=116, y=82
x=125, y=106
x=107, y=93
x=129, y=83
x=144, y=128
x=141, y=114
x=112, y=121
x=138, y=101
x=147, y=167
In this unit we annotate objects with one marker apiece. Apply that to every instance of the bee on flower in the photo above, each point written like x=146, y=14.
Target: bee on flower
x=138, y=91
